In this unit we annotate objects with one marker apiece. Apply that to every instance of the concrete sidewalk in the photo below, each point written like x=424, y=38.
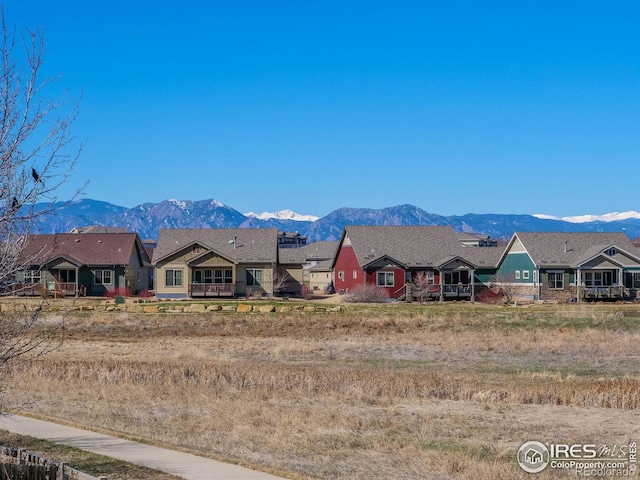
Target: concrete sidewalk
x=187, y=466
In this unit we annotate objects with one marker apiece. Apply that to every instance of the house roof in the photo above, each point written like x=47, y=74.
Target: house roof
x=240, y=245
x=320, y=250
x=322, y=266
x=415, y=246
x=569, y=249
x=468, y=236
x=99, y=229
x=291, y=256
x=483, y=257
x=84, y=248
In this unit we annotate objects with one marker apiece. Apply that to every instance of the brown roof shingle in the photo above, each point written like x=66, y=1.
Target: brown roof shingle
x=241, y=245
x=570, y=248
x=84, y=248
x=414, y=246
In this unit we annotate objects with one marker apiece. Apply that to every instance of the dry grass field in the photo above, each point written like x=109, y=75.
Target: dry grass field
x=372, y=392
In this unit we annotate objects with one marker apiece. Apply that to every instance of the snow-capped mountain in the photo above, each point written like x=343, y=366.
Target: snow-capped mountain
x=148, y=218
x=607, y=217
x=282, y=215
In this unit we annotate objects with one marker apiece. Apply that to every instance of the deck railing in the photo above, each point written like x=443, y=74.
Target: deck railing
x=45, y=289
x=211, y=289
x=602, y=292
x=457, y=290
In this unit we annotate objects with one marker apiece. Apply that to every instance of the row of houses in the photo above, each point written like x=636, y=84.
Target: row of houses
x=426, y=262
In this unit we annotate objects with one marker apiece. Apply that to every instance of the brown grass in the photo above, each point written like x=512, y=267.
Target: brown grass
x=380, y=392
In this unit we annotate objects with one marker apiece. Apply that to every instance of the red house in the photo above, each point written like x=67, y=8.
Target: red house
x=397, y=258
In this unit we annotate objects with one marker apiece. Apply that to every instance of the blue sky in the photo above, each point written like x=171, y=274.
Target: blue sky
x=455, y=107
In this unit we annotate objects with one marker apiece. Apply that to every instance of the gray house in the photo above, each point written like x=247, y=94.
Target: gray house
x=70, y=264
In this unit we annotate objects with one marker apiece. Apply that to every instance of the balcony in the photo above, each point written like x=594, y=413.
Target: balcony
x=212, y=290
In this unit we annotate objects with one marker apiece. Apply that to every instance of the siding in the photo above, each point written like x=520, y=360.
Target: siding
x=398, y=280
x=516, y=262
x=347, y=263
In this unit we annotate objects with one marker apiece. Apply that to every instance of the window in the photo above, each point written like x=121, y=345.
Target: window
x=341, y=275
x=254, y=277
x=32, y=276
x=556, y=280
x=67, y=276
x=525, y=274
x=454, y=278
x=385, y=279
x=611, y=252
x=517, y=274
x=430, y=277
x=355, y=274
x=173, y=278
x=102, y=277
x=222, y=275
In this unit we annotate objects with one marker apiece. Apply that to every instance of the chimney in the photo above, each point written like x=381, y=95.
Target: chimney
x=565, y=247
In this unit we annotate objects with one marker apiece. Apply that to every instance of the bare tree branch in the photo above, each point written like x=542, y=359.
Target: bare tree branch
x=37, y=155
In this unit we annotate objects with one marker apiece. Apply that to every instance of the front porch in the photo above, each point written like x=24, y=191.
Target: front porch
x=48, y=289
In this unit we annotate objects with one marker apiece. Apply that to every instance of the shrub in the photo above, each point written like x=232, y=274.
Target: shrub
x=367, y=294
x=491, y=296
x=119, y=292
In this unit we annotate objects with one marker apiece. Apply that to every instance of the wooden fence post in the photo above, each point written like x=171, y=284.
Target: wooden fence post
x=63, y=467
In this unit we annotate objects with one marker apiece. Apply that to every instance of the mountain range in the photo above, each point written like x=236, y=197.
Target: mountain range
x=148, y=218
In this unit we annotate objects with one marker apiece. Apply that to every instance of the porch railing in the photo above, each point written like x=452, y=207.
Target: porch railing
x=602, y=292
x=46, y=289
x=456, y=290
x=212, y=289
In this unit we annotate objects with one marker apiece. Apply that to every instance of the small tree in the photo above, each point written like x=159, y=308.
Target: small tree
x=279, y=282
x=420, y=286
x=37, y=154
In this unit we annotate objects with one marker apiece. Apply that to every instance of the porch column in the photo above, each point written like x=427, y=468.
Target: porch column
x=473, y=285
x=578, y=284
x=539, y=282
x=621, y=281
x=441, y=287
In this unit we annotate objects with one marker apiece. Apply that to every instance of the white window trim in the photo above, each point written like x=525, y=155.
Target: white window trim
x=173, y=276
x=253, y=275
x=556, y=273
x=103, y=271
x=386, y=275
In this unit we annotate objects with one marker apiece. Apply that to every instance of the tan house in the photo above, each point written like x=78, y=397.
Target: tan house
x=220, y=262
x=317, y=269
